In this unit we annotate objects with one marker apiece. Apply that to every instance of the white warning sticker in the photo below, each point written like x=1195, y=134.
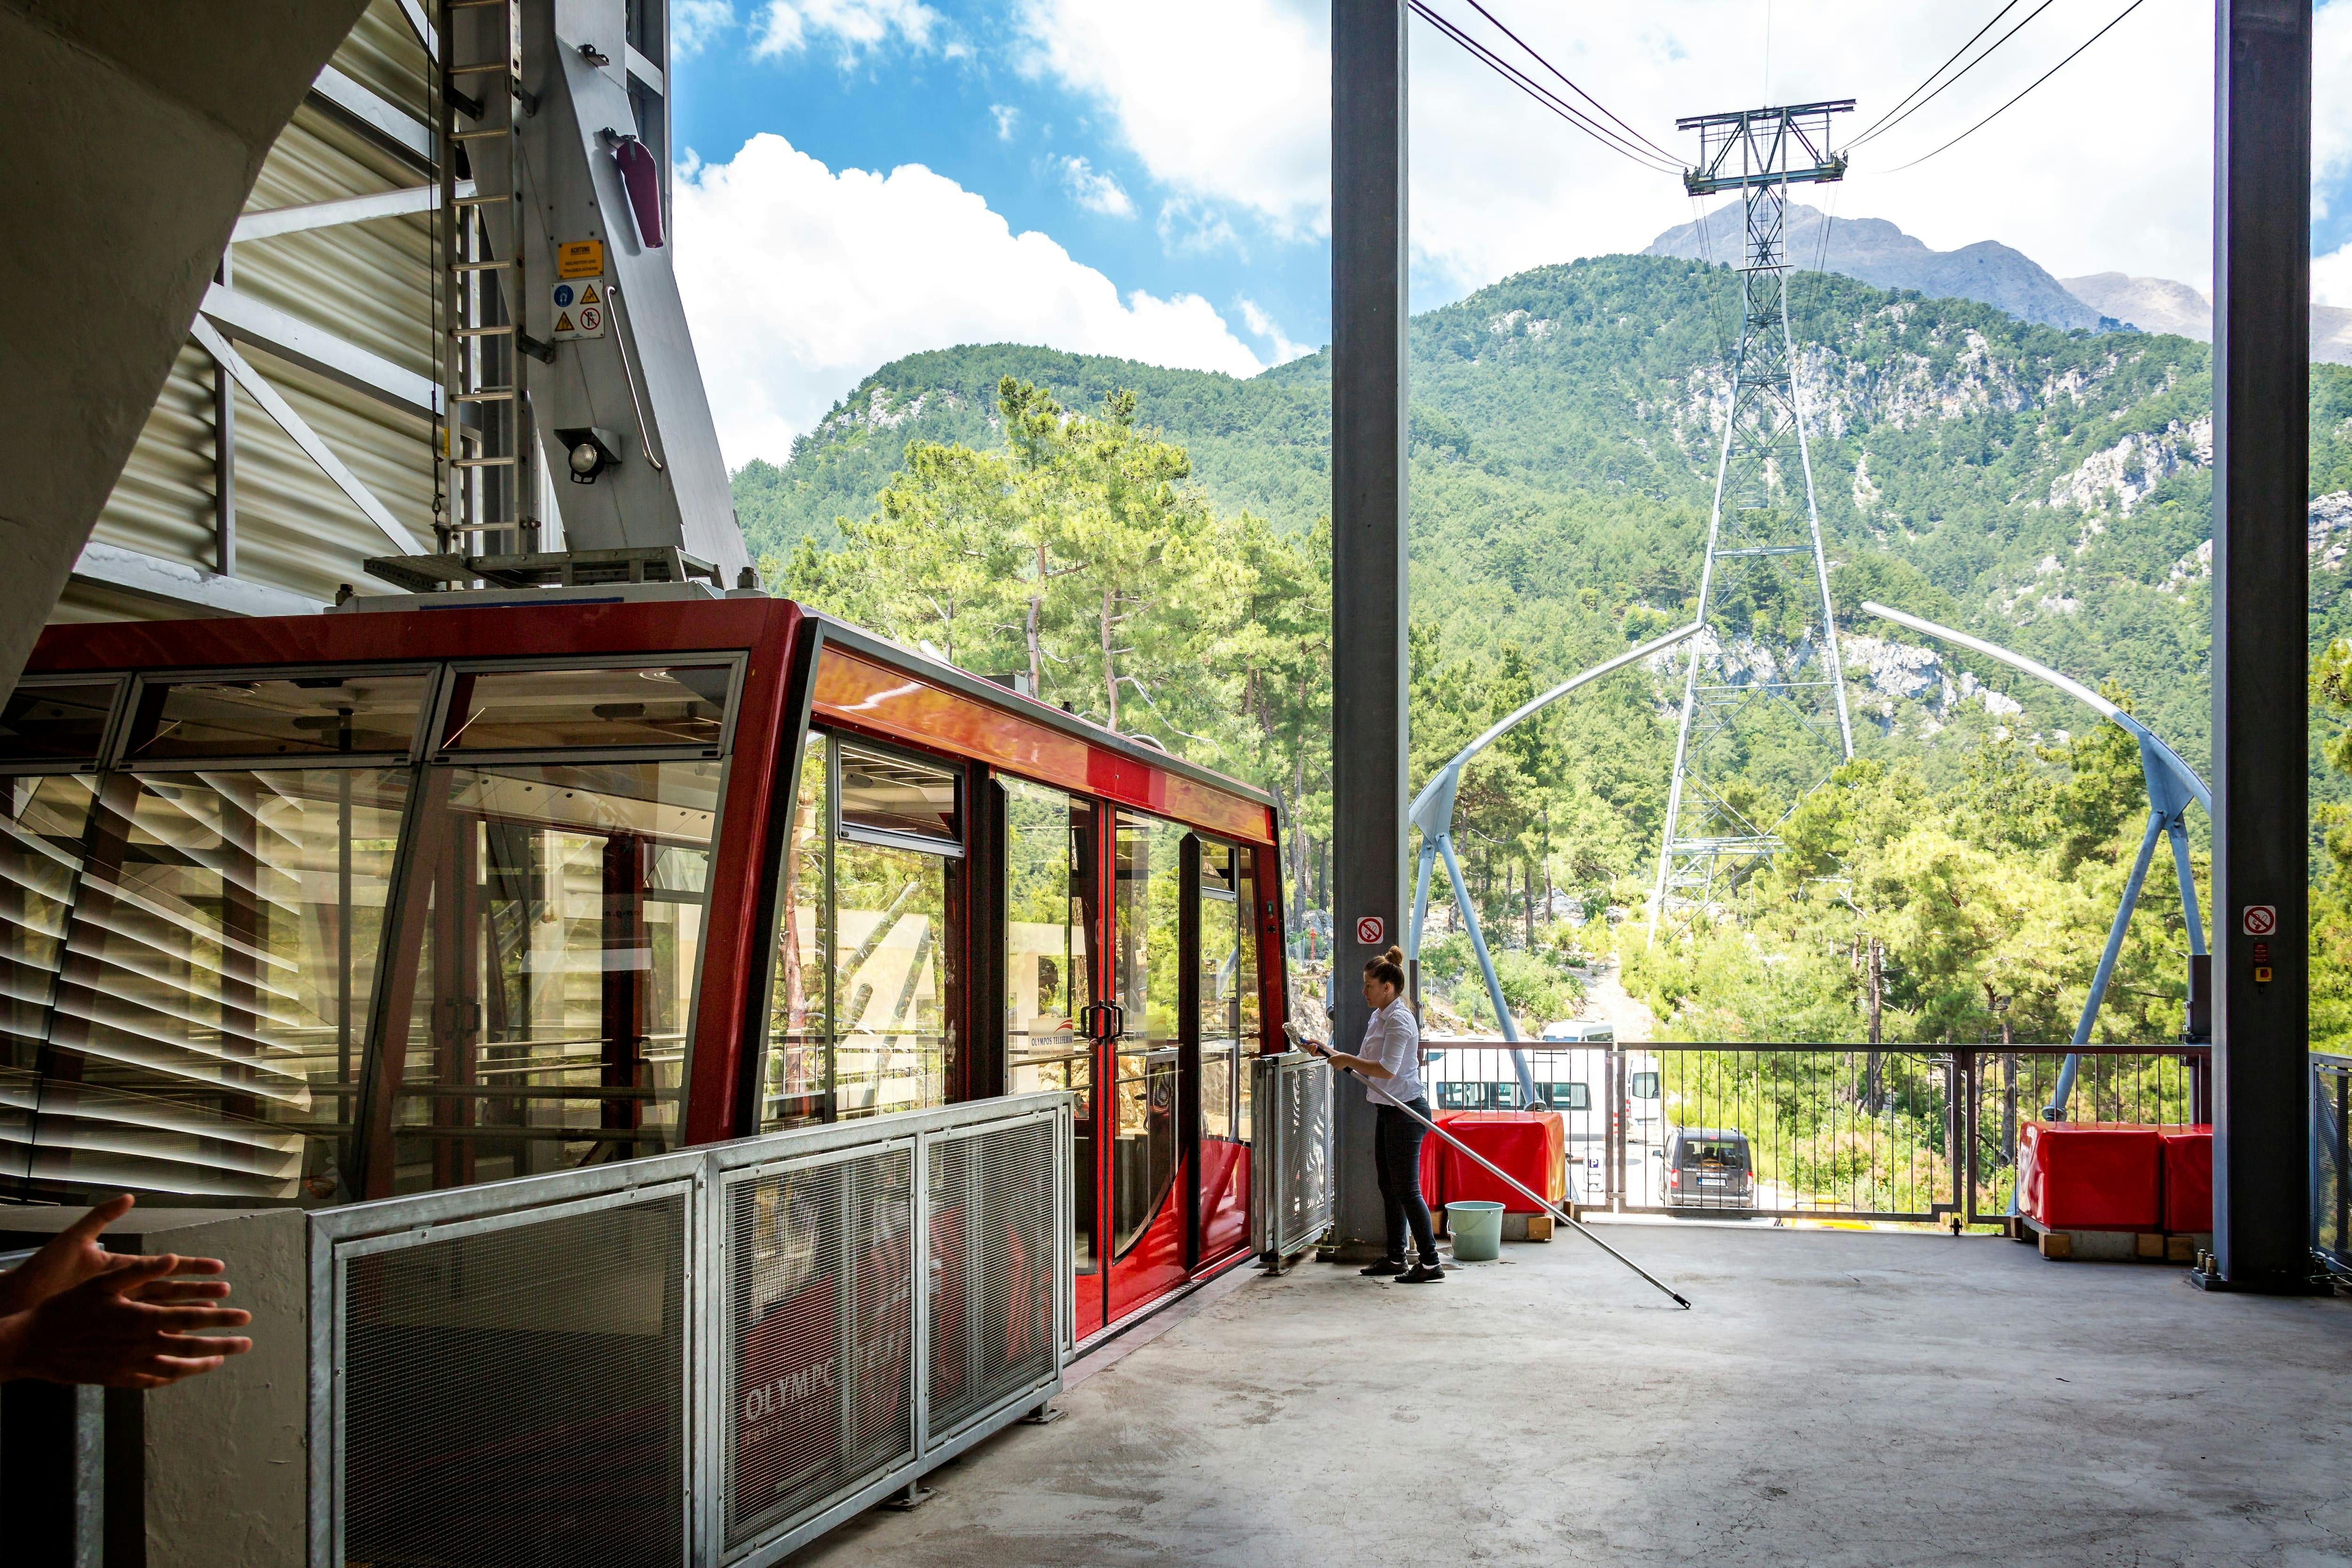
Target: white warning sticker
x=579, y=307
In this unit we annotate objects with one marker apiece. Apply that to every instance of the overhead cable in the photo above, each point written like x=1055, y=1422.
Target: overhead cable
x=2037, y=81
x=1864, y=133
x=1615, y=141
x=1985, y=55
x=1580, y=92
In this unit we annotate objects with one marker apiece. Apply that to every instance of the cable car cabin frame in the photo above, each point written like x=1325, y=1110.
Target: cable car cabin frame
x=320, y=909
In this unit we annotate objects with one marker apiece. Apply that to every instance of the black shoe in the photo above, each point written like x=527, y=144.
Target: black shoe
x=1384, y=1266
x=1422, y=1274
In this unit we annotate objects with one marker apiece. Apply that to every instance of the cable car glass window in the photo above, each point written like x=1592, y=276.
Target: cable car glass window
x=1218, y=990
x=543, y=991
x=277, y=716
x=1049, y=909
x=799, y=1070
x=62, y=723
x=892, y=975
x=541, y=710
x=1147, y=971
x=901, y=797
x=197, y=949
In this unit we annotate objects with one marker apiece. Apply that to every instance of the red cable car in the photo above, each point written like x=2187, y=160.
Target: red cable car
x=446, y=889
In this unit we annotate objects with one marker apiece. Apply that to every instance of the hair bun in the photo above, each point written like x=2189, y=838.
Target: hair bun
x=1394, y=955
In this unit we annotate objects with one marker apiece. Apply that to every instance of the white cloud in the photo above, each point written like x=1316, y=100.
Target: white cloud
x=1228, y=100
x=1007, y=117
x=1226, y=104
x=1094, y=191
x=787, y=26
x=2331, y=101
x=693, y=24
x=1267, y=326
x=799, y=281
x=1187, y=227
x=2331, y=277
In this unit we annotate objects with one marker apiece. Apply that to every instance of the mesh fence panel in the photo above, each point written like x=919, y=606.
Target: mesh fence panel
x=820, y=1324
x=518, y=1396
x=992, y=1256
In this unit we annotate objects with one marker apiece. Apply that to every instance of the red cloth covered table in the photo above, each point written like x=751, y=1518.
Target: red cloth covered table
x=1532, y=1145
x=2187, y=1177
x=2091, y=1176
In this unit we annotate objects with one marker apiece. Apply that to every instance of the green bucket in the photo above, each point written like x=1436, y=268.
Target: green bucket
x=1477, y=1229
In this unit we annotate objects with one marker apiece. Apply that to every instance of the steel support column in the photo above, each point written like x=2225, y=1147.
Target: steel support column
x=2262, y=274
x=1369, y=664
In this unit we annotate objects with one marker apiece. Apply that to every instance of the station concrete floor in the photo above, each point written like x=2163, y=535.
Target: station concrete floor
x=1835, y=1398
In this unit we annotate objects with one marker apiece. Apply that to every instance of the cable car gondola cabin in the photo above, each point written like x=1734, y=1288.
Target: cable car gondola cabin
x=385, y=899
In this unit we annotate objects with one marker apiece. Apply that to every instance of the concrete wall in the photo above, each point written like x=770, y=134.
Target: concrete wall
x=135, y=134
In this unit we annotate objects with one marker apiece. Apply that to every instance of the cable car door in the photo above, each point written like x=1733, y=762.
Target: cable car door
x=1148, y=1210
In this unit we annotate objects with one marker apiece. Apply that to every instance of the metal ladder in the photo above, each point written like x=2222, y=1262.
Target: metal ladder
x=486, y=500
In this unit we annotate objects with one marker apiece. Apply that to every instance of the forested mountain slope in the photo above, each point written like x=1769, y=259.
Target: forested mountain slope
x=2049, y=489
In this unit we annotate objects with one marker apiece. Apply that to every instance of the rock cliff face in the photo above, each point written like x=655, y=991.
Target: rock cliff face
x=1881, y=254
x=2163, y=305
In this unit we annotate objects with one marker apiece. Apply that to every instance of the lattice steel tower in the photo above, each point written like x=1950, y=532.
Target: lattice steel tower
x=1759, y=740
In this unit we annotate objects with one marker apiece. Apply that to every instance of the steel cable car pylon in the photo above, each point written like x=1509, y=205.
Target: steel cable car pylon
x=2172, y=784
x=1433, y=814
x=1751, y=534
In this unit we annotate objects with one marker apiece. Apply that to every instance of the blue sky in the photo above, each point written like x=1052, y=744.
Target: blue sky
x=862, y=179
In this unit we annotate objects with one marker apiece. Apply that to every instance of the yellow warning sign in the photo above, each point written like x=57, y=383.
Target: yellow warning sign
x=564, y=322
x=580, y=259
x=588, y=296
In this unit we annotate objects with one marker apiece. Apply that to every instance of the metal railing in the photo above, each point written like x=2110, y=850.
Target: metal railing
x=1909, y=1133
x=1291, y=1192
x=2331, y=1191
x=702, y=1358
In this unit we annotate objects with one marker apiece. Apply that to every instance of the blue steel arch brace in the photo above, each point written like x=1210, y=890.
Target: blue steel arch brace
x=2172, y=787
x=1433, y=814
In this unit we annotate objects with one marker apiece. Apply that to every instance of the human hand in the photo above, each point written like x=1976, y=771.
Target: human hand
x=137, y=1325
x=73, y=1255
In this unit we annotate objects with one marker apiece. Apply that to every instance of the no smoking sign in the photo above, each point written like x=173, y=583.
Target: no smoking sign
x=1370, y=931
x=2259, y=919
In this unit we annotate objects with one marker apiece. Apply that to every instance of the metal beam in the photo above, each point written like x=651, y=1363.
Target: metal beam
x=2261, y=350
x=184, y=586
x=295, y=426
x=1369, y=667
x=377, y=116
x=271, y=222
x=245, y=320
x=645, y=73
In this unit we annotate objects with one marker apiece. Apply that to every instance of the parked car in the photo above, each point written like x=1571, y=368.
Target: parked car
x=1709, y=1168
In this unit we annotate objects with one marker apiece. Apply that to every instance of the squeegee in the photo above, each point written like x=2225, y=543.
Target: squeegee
x=1549, y=1207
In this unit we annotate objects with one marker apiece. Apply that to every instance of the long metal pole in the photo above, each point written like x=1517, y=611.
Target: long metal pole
x=1369, y=652
x=1549, y=1207
x=2261, y=324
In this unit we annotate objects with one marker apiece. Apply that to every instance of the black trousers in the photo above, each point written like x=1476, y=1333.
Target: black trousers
x=1396, y=1157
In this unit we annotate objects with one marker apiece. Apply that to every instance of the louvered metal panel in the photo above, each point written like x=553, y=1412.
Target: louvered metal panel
x=163, y=504
x=370, y=284
x=296, y=529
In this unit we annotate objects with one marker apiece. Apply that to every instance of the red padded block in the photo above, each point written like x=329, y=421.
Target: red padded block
x=2091, y=1176
x=1532, y=1145
x=2187, y=1177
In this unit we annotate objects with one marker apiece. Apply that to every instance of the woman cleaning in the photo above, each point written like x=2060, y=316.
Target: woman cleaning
x=1390, y=1064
